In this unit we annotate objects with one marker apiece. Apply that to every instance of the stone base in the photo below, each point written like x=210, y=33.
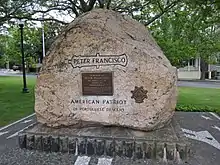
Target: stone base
x=166, y=144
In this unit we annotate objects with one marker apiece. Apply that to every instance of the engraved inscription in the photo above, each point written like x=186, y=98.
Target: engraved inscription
x=97, y=84
x=98, y=60
x=106, y=102
x=99, y=109
x=84, y=105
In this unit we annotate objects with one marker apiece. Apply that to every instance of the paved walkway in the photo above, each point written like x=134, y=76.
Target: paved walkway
x=4, y=72
x=200, y=84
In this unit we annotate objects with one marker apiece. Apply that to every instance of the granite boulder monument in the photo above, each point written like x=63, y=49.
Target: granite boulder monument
x=106, y=89
x=106, y=69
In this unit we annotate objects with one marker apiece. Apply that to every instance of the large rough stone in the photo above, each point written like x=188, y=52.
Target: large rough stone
x=139, y=82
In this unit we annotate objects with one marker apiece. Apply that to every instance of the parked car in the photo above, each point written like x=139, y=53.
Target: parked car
x=16, y=67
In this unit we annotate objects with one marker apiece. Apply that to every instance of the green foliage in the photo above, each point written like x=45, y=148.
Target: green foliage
x=188, y=32
x=31, y=44
x=196, y=108
x=51, y=29
x=10, y=48
x=3, y=44
x=184, y=29
x=143, y=10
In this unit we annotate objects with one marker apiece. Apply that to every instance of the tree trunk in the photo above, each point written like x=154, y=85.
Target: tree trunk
x=202, y=77
x=203, y=69
x=27, y=67
x=7, y=65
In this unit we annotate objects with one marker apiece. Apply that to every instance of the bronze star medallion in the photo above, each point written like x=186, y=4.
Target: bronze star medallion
x=139, y=94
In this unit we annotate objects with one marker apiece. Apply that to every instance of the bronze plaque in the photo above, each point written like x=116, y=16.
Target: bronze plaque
x=97, y=84
x=139, y=94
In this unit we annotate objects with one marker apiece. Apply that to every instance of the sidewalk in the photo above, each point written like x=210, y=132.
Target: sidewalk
x=10, y=72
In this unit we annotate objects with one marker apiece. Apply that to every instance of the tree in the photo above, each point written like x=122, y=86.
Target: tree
x=31, y=9
x=183, y=28
x=3, y=55
x=205, y=22
x=187, y=32
x=10, y=43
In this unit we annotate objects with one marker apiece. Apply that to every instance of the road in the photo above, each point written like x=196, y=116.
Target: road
x=202, y=130
x=200, y=84
x=16, y=74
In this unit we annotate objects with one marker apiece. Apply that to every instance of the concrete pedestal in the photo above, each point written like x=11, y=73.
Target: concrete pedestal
x=166, y=144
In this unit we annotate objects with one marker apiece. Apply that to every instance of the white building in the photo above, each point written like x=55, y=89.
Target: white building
x=192, y=70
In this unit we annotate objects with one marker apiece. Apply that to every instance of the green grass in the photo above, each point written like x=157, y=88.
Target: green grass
x=199, y=99
x=199, y=96
x=13, y=103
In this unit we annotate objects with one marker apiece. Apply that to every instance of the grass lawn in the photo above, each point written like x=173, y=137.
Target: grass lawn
x=14, y=104
x=200, y=98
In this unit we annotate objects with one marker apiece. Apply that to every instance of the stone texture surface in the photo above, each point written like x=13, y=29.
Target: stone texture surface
x=167, y=144
x=108, y=33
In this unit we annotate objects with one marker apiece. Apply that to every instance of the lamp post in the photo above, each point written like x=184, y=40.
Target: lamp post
x=25, y=89
x=43, y=41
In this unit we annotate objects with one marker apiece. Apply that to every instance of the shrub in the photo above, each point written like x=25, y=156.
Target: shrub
x=196, y=108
